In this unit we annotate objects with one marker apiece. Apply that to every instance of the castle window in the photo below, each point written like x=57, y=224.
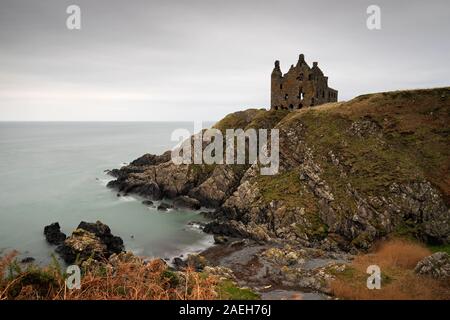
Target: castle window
x=323, y=94
x=286, y=96
x=310, y=77
x=300, y=105
x=291, y=106
x=300, y=77
x=312, y=101
x=281, y=86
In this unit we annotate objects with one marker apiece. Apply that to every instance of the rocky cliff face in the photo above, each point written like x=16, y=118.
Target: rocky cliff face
x=349, y=173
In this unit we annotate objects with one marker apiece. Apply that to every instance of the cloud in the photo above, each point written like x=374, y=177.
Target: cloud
x=184, y=60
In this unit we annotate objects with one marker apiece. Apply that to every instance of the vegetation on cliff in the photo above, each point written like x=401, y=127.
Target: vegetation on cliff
x=122, y=277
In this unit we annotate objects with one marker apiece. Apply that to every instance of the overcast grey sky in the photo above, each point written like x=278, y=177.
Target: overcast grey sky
x=201, y=59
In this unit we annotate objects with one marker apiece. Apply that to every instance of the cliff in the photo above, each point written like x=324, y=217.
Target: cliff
x=350, y=173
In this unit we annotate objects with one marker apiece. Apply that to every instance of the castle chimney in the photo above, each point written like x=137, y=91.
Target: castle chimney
x=315, y=64
x=301, y=58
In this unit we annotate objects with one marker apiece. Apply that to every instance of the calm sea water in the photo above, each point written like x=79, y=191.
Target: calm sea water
x=55, y=172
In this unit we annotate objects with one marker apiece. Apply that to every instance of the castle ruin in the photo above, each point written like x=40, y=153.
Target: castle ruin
x=300, y=87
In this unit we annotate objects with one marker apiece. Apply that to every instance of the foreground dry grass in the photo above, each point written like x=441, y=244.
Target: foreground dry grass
x=396, y=259
x=124, y=280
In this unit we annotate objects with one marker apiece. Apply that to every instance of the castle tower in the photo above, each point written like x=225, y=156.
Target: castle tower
x=276, y=84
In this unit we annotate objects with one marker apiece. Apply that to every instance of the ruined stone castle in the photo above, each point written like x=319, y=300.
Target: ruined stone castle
x=302, y=86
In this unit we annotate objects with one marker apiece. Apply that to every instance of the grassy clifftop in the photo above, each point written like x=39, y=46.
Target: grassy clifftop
x=364, y=168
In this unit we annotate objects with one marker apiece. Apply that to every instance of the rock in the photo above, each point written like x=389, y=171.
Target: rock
x=151, y=159
x=186, y=202
x=218, y=186
x=90, y=240
x=147, y=202
x=220, y=239
x=113, y=243
x=163, y=206
x=237, y=229
x=437, y=266
x=179, y=263
x=53, y=234
x=81, y=246
x=221, y=272
x=27, y=260
x=196, y=261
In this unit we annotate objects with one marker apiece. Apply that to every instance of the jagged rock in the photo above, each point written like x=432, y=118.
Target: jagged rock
x=151, y=159
x=53, y=234
x=82, y=245
x=113, y=243
x=437, y=266
x=237, y=229
x=186, y=202
x=90, y=240
x=218, y=186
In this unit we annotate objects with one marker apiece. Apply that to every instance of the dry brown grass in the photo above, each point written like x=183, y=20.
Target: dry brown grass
x=395, y=253
x=123, y=281
x=396, y=259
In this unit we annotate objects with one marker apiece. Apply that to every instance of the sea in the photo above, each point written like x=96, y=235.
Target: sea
x=55, y=172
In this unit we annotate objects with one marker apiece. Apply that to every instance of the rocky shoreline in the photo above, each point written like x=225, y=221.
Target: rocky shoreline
x=271, y=270
x=351, y=174
x=348, y=175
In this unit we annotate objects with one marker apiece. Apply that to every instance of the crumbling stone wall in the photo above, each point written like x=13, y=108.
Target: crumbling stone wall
x=302, y=86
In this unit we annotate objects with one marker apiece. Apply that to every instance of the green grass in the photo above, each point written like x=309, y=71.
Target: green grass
x=238, y=120
x=440, y=248
x=229, y=291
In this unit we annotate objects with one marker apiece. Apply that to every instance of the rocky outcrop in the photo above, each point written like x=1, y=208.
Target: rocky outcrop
x=53, y=234
x=437, y=266
x=349, y=174
x=90, y=240
x=114, y=244
x=237, y=229
x=185, y=202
